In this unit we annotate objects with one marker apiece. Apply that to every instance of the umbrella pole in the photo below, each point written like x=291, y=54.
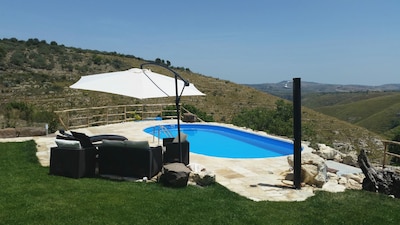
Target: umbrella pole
x=177, y=99
x=178, y=119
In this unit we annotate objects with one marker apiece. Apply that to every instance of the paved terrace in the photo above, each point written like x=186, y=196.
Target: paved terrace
x=256, y=179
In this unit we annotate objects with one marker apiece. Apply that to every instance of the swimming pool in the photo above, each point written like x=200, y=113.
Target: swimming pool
x=225, y=142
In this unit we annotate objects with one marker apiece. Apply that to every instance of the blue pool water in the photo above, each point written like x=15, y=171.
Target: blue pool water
x=219, y=141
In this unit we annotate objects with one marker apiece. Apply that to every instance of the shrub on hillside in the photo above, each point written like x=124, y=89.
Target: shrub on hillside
x=200, y=114
x=278, y=121
x=18, y=58
x=16, y=112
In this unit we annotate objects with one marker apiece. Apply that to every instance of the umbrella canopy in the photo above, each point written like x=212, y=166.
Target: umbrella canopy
x=137, y=83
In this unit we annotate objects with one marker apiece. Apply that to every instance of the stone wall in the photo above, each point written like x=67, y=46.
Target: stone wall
x=22, y=132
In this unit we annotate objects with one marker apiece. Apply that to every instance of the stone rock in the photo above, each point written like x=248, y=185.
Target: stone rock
x=175, y=175
x=22, y=132
x=353, y=184
x=31, y=131
x=200, y=175
x=195, y=167
x=333, y=186
x=313, y=169
x=343, y=147
x=338, y=158
x=203, y=178
x=289, y=176
x=8, y=133
x=326, y=152
x=329, y=153
x=350, y=182
x=351, y=159
x=363, y=143
x=332, y=176
x=309, y=174
x=357, y=177
x=342, y=181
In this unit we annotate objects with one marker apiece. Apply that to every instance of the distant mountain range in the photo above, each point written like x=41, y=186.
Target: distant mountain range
x=283, y=89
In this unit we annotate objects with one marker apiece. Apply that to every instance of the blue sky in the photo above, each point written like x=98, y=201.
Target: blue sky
x=248, y=42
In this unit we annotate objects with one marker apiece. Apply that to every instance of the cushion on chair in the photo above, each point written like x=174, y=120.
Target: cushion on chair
x=127, y=144
x=102, y=137
x=137, y=144
x=83, y=139
x=112, y=143
x=65, y=137
x=68, y=144
x=183, y=138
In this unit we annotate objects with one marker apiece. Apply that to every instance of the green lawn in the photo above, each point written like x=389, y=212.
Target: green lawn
x=28, y=195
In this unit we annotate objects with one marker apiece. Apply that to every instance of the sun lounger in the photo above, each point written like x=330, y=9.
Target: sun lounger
x=76, y=154
x=89, y=140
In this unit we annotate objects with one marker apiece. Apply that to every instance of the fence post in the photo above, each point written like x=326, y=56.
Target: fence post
x=124, y=114
x=384, y=154
x=87, y=118
x=107, y=115
x=67, y=121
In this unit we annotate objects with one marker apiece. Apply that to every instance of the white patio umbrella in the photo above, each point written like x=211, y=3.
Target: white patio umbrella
x=136, y=83
x=141, y=83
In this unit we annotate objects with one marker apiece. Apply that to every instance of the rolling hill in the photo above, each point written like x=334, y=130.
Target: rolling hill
x=283, y=89
x=38, y=73
x=376, y=108
x=379, y=113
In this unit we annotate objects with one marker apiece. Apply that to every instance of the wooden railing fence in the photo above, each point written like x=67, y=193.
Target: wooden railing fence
x=97, y=116
x=386, y=143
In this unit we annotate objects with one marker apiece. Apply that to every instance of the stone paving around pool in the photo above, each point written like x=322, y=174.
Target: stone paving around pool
x=256, y=179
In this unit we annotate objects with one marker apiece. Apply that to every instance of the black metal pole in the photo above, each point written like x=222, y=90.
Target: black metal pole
x=297, y=131
x=177, y=100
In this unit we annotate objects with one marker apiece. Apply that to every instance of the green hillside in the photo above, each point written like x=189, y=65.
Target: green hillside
x=318, y=92
x=322, y=99
x=378, y=112
x=373, y=107
x=39, y=74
